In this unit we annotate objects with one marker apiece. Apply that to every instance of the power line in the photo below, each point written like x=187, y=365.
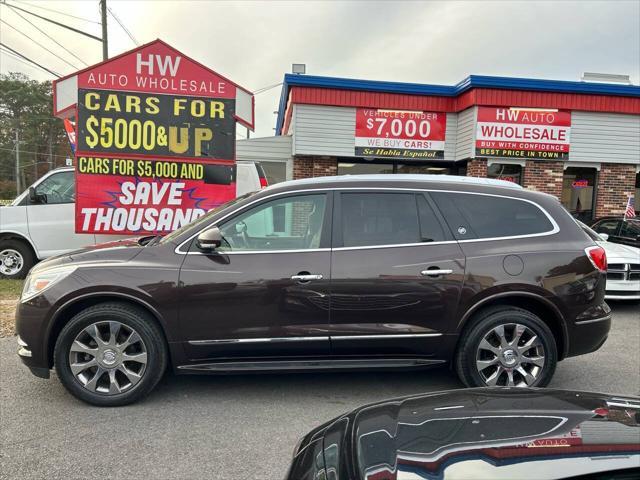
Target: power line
x=34, y=152
x=264, y=89
x=126, y=30
x=29, y=60
x=15, y=57
x=47, y=35
x=55, y=23
x=39, y=44
x=58, y=12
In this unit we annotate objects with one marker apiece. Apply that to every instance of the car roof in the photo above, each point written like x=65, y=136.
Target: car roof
x=402, y=178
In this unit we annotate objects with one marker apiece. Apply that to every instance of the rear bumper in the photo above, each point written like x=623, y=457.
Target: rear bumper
x=589, y=335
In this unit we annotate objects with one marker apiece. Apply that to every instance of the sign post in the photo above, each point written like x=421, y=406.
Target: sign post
x=153, y=128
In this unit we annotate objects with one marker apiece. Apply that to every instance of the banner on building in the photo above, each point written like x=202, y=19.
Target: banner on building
x=401, y=134
x=155, y=137
x=541, y=134
x=129, y=196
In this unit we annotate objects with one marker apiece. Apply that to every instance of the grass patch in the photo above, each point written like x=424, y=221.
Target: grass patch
x=9, y=293
x=10, y=288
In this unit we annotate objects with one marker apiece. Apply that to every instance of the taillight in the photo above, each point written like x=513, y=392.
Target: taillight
x=598, y=257
x=263, y=182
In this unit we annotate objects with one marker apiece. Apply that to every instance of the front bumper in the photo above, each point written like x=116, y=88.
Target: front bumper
x=25, y=354
x=623, y=290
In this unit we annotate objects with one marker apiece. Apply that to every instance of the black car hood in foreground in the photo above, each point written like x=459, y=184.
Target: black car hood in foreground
x=486, y=433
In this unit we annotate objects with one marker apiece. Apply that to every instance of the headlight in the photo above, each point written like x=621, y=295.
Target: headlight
x=38, y=282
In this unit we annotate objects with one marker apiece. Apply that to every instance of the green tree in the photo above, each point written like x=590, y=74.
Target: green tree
x=27, y=106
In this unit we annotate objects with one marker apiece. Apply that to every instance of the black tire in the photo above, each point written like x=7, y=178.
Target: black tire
x=24, y=250
x=485, y=322
x=131, y=317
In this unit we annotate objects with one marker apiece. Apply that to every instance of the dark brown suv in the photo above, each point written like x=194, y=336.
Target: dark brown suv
x=333, y=273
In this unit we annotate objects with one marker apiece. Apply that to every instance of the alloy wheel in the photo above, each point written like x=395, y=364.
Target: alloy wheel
x=108, y=357
x=510, y=354
x=11, y=262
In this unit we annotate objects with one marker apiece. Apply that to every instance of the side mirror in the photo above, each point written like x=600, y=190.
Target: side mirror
x=36, y=198
x=210, y=239
x=605, y=236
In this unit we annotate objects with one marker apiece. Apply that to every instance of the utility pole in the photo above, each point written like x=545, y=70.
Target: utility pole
x=105, y=42
x=17, y=161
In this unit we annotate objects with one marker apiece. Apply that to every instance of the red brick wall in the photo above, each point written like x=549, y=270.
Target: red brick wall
x=543, y=176
x=477, y=168
x=615, y=183
x=308, y=167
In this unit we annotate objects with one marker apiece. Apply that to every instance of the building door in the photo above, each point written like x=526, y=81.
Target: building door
x=578, y=192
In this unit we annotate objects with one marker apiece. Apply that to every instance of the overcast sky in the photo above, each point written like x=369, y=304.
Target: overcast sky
x=254, y=43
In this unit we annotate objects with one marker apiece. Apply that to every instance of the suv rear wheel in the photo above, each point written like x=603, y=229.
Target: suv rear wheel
x=110, y=354
x=507, y=346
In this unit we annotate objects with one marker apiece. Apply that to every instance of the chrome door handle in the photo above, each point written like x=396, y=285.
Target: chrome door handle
x=306, y=278
x=434, y=272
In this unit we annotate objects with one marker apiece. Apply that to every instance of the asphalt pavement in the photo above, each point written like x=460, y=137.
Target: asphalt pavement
x=231, y=427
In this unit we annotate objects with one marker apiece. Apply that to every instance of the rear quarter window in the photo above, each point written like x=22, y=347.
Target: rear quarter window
x=484, y=216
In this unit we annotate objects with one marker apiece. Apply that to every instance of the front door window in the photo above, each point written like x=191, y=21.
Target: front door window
x=290, y=223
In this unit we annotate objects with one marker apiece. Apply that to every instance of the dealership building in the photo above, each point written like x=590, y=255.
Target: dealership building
x=579, y=141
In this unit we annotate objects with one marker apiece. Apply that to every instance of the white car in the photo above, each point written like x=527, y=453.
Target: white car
x=31, y=230
x=623, y=267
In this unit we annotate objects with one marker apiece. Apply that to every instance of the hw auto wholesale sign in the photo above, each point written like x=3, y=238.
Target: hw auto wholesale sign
x=523, y=133
x=155, y=137
x=400, y=134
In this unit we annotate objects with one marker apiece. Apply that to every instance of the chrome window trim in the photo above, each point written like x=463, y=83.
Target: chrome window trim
x=553, y=231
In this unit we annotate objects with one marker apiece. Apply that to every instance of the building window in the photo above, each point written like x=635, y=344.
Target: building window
x=505, y=171
x=345, y=168
x=637, y=195
x=578, y=190
x=359, y=167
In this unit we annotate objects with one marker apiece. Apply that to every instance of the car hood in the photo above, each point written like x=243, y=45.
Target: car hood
x=117, y=251
x=620, y=252
x=485, y=433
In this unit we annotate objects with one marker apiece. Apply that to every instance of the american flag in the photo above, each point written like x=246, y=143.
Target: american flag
x=629, y=212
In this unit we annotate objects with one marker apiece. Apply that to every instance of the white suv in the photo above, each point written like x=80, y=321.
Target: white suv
x=40, y=222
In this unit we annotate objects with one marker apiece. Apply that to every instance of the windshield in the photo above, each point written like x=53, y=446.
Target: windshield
x=203, y=219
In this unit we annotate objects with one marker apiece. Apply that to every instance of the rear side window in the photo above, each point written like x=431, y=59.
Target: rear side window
x=485, y=216
x=379, y=219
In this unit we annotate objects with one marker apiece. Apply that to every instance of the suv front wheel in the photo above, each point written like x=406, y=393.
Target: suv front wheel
x=110, y=354
x=506, y=346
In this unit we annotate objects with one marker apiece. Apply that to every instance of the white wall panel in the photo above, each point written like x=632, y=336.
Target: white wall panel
x=605, y=137
x=323, y=130
x=466, y=134
x=268, y=149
